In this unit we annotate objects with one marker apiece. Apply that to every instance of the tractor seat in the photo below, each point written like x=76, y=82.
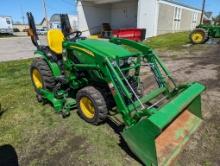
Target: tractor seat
x=55, y=40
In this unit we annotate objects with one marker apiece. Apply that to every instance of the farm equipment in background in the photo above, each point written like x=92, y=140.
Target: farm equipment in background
x=136, y=34
x=202, y=33
x=104, y=79
x=106, y=31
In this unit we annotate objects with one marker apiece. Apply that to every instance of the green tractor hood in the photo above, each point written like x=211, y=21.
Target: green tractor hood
x=106, y=48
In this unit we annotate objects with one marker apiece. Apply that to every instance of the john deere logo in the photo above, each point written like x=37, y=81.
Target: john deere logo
x=84, y=50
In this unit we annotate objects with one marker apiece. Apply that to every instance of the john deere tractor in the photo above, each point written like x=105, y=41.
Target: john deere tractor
x=109, y=79
x=203, y=33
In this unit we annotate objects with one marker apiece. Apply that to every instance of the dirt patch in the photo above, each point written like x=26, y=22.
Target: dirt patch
x=70, y=154
x=57, y=147
x=202, y=66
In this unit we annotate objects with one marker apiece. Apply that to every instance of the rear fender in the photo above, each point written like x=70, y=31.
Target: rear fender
x=53, y=65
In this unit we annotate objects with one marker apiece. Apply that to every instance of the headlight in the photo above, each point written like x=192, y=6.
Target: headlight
x=122, y=62
x=129, y=60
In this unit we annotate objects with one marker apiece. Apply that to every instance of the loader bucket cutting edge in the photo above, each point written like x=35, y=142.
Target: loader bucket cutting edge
x=154, y=144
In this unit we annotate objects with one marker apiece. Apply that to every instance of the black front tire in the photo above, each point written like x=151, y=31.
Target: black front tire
x=98, y=101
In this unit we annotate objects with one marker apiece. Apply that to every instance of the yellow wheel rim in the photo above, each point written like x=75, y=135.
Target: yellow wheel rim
x=197, y=37
x=87, y=107
x=37, y=80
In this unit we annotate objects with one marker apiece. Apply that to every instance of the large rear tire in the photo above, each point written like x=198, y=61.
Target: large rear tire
x=41, y=75
x=91, y=105
x=199, y=36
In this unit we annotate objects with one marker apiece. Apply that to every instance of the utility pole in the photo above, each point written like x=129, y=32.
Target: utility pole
x=22, y=15
x=45, y=13
x=203, y=11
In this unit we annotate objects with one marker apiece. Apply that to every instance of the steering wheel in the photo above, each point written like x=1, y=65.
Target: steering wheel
x=76, y=34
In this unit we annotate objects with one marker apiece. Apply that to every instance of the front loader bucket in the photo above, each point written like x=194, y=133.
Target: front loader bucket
x=157, y=140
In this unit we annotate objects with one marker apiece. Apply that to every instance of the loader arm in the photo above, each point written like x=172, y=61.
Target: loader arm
x=149, y=54
x=150, y=125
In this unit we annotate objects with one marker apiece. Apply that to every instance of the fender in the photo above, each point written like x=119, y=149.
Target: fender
x=53, y=65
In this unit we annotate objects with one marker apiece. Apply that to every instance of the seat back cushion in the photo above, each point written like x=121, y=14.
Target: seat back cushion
x=55, y=40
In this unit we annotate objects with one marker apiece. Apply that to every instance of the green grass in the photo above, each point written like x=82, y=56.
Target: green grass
x=42, y=137
x=171, y=41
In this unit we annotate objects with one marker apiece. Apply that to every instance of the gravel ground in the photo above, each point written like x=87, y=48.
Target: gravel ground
x=15, y=48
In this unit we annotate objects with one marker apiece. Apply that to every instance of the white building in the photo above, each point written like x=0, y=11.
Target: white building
x=156, y=16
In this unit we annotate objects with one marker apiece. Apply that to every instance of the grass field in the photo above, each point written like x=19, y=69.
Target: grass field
x=169, y=41
x=40, y=136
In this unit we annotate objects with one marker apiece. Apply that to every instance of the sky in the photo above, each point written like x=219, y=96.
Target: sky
x=18, y=8
x=211, y=5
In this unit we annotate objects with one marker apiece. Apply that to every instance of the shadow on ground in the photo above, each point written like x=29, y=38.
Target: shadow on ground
x=2, y=110
x=8, y=156
x=118, y=129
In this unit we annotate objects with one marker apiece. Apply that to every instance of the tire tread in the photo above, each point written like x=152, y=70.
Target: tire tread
x=99, y=102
